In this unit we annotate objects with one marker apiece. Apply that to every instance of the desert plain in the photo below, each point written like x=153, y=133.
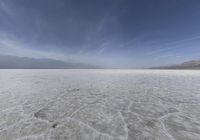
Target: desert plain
x=99, y=105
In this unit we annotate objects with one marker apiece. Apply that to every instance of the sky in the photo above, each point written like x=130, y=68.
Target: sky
x=107, y=33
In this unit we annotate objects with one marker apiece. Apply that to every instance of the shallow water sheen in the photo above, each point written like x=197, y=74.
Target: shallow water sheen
x=99, y=105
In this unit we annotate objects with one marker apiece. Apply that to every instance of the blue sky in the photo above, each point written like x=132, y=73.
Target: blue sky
x=110, y=33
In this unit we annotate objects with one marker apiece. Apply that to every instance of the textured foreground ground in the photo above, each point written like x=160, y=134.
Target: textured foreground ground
x=99, y=105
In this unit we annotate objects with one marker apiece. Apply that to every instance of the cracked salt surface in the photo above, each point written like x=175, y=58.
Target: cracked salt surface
x=99, y=105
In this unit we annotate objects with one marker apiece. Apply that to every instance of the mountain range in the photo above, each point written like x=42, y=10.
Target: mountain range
x=193, y=64
x=15, y=62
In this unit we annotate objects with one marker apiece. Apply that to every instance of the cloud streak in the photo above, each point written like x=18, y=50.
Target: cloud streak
x=173, y=45
x=113, y=33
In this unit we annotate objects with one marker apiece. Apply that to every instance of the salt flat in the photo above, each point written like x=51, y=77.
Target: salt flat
x=99, y=105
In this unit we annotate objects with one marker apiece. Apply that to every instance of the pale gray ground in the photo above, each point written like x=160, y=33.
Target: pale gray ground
x=99, y=105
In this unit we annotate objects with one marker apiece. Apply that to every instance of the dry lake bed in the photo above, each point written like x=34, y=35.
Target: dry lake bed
x=99, y=105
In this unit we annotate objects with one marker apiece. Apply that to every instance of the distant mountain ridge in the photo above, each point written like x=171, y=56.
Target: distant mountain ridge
x=193, y=64
x=14, y=62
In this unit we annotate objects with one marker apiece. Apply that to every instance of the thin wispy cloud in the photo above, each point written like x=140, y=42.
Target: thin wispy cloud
x=174, y=45
x=114, y=33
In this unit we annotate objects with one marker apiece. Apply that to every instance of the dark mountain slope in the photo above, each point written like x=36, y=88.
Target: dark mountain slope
x=194, y=64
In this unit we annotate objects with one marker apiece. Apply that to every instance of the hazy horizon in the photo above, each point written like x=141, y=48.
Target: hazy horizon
x=108, y=33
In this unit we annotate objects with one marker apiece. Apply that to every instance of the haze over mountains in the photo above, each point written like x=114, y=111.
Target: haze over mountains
x=14, y=62
x=193, y=64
